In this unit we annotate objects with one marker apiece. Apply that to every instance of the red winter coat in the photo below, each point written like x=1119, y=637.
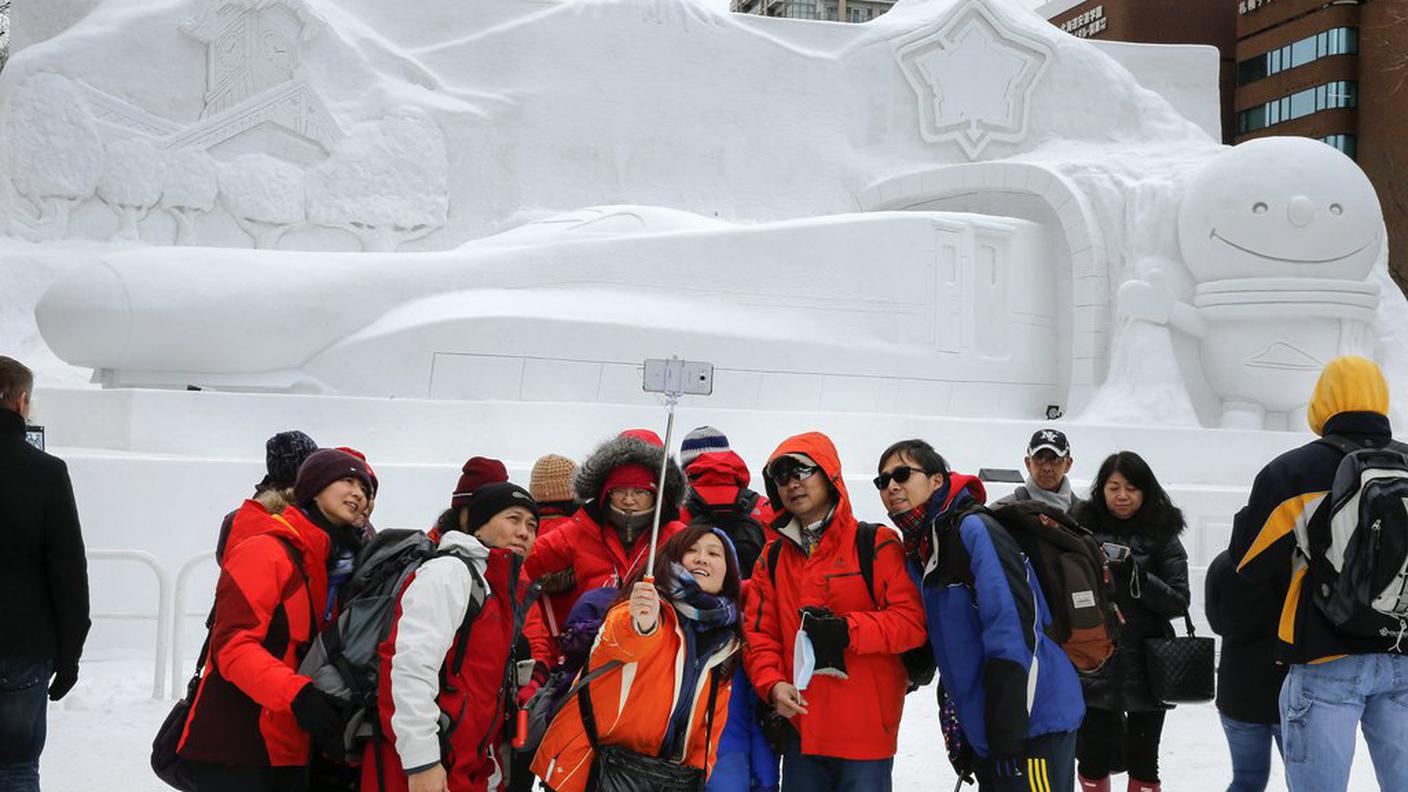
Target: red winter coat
x=596, y=557
x=417, y=685
x=552, y=609
x=716, y=478
x=858, y=717
x=265, y=618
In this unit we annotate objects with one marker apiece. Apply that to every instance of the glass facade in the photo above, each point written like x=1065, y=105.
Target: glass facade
x=1345, y=143
x=1336, y=41
x=1338, y=94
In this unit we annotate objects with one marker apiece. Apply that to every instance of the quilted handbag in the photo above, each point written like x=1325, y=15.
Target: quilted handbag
x=1181, y=669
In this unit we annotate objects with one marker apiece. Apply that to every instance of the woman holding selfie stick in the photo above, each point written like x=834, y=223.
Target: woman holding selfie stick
x=1138, y=526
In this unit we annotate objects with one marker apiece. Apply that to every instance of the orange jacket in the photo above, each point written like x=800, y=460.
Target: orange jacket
x=633, y=703
x=858, y=717
x=264, y=612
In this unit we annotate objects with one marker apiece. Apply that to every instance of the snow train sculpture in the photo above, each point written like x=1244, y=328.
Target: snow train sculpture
x=955, y=208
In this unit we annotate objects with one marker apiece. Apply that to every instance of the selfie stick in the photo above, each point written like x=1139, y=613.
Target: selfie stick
x=672, y=397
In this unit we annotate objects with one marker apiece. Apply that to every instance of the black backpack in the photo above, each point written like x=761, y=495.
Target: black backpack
x=919, y=663
x=736, y=520
x=1074, y=575
x=343, y=661
x=1356, y=542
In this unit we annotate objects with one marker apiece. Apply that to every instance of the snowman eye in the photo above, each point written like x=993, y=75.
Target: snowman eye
x=1258, y=208
x=1336, y=209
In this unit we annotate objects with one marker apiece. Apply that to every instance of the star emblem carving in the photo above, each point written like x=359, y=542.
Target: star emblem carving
x=973, y=75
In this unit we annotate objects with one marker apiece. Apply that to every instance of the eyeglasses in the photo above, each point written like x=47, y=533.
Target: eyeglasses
x=900, y=474
x=800, y=473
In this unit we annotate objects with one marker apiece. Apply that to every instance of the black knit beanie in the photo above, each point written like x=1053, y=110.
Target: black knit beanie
x=489, y=501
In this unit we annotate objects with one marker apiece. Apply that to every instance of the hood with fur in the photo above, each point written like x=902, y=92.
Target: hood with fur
x=625, y=449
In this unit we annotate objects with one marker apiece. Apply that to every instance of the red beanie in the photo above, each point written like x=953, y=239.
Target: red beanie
x=646, y=436
x=633, y=475
x=477, y=472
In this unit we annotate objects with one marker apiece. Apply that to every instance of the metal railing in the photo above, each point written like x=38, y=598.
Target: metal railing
x=178, y=619
x=162, y=615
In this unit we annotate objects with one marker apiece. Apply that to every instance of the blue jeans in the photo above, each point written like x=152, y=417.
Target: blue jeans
x=804, y=773
x=1321, y=706
x=1250, y=745
x=24, y=703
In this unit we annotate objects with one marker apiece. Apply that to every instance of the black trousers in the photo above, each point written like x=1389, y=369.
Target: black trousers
x=1112, y=741
x=208, y=777
x=1047, y=764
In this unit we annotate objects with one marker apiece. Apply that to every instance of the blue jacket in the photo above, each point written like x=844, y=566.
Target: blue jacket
x=987, y=617
x=755, y=768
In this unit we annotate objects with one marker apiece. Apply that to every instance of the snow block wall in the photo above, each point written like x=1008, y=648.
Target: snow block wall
x=955, y=206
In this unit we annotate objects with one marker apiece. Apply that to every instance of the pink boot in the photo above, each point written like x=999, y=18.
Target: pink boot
x=1135, y=785
x=1088, y=785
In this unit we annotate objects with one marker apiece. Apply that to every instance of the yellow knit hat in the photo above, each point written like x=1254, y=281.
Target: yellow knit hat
x=1348, y=384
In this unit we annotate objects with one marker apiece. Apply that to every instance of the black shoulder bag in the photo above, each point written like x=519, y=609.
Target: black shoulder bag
x=1181, y=669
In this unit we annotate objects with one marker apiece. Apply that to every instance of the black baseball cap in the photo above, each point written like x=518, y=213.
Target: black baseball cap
x=1051, y=439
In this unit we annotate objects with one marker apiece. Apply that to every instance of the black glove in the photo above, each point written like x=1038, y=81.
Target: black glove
x=64, y=680
x=320, y=715
x=829, y=636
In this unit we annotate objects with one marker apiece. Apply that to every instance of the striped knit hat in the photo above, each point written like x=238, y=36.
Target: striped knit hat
x=704, y=440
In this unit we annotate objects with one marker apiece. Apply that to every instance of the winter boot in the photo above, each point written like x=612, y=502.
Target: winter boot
x=1089, y=785
x=1135, y=785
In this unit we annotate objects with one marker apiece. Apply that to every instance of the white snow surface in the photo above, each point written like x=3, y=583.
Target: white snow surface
x=100, y=739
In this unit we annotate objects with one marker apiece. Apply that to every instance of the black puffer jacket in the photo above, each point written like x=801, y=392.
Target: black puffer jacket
x=1245, y=614
x=1151, y=590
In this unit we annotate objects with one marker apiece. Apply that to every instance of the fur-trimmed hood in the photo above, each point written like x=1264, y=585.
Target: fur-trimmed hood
x=626, y=449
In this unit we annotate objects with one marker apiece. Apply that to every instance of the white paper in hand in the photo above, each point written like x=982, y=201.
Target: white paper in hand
x=803, y=661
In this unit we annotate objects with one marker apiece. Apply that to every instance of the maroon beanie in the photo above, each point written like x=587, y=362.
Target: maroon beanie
x=478, y=472
x=326, y=466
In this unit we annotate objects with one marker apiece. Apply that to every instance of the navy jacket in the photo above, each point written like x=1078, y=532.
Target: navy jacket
x=987, y=619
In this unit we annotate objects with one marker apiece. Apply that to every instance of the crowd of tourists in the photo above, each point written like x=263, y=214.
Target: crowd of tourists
x=647, y=620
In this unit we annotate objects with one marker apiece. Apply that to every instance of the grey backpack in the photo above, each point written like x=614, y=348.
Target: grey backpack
x=342, y=661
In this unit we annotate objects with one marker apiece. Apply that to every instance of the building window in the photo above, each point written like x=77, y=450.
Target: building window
x=858, y=14
x=1325, y=44
x=1329, y=96
x=800, y=9
x=1345, y=143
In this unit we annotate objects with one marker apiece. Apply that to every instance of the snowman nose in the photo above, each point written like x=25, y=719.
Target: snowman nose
x=1301, y=211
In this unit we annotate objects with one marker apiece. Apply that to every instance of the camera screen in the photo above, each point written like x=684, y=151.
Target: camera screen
x=34, y=435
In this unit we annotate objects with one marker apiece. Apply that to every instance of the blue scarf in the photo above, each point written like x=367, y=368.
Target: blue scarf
x=708, y=611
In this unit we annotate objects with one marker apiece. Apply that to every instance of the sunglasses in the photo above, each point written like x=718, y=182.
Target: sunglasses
x=800, y=473
x=900, y=474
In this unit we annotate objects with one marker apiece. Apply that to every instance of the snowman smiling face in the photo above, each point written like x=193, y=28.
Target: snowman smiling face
x=1278, y=208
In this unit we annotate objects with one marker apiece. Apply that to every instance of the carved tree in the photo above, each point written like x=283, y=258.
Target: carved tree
x=265, y=196
x=386, y=182
x=131, y=182
x=55, y=154
x=190, y=188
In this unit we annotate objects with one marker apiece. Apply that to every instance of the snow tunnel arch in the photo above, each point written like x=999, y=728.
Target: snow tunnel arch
x=946, y=187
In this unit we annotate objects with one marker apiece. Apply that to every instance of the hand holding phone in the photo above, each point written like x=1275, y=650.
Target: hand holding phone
x=1115, y=552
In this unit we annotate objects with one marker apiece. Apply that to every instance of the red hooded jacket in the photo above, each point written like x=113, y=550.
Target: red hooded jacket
x=858, y=717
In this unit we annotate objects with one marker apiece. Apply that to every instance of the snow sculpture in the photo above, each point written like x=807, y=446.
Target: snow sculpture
x=189, y=190
x=386, y=182
x=1280, y=235
x=973, y=78
x=250, y=47
x=265, y=196
x=55, y=155
x=132, y=182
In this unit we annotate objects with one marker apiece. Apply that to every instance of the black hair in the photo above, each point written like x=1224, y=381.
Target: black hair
x=449, y=520
x=1137, y=472
x=16, y=380
x=673, y=552
x=918, y=451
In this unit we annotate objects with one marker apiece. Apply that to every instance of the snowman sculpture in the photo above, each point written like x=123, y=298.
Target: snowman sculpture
x=1280, y=235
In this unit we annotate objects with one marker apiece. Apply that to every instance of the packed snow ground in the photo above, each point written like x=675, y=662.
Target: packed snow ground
x=100, y=739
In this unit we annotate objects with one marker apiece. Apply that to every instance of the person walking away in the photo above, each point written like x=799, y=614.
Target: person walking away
x=1048, y=460
x=449, y=652
x=660, y=695
x=1345, y=673
x=43, y=583
x=846, y=715
x=1248, y=677
x=254, y=719
x=1012, y=690
x=1138, y=526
